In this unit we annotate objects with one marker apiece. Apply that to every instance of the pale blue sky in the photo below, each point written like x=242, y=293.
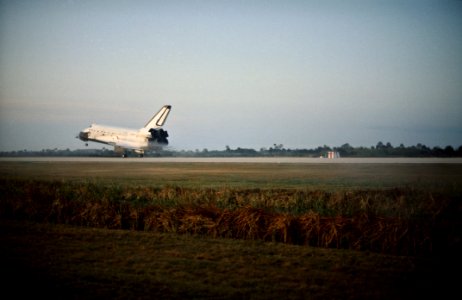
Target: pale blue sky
x=239, y=73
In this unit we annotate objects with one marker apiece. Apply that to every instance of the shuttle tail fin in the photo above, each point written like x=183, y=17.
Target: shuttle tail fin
x=158, y=120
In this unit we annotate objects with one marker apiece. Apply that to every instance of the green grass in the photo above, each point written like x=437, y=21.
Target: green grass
x=399, y=221
x=61, y=261
x=243, y=175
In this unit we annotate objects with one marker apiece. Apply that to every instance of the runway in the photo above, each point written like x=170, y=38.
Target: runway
x=268, y=160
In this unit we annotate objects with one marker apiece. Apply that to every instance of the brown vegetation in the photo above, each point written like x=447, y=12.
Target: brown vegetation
x=396, y=221
x=60, y=262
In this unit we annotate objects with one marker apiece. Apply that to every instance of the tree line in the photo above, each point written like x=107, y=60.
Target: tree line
x=345, y=150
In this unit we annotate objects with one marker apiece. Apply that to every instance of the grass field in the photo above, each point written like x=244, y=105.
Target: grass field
x=243, y=175
x=63, y=261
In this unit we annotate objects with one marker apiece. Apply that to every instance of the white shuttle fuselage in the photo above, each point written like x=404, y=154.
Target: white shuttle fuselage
x=150, y=137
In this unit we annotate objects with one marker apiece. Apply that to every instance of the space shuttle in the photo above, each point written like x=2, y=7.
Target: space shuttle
x=150, y=137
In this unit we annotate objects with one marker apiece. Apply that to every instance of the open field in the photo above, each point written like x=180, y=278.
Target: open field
x=242, y=175
x=64, y=262
x=397, y=228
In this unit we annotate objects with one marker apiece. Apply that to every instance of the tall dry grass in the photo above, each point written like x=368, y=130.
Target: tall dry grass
x=397, y=221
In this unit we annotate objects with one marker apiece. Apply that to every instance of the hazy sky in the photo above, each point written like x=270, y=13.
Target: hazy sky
x=239, y=73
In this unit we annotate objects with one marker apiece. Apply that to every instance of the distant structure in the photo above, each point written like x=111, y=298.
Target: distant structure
x=331, y=154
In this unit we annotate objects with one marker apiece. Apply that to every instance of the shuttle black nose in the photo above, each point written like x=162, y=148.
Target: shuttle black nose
x=83, y=136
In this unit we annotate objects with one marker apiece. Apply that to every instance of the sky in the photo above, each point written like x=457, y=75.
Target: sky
x=246, y=74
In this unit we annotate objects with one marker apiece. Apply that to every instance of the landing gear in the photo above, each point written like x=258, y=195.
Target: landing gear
x=127, y=154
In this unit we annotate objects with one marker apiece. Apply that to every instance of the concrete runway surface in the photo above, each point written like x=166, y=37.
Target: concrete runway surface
x=286, y=160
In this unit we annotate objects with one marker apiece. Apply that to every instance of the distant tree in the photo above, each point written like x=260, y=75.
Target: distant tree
x=448, y=151
x=379, y=145
x=345, y=150
x=437, y=151
x=278, y=147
